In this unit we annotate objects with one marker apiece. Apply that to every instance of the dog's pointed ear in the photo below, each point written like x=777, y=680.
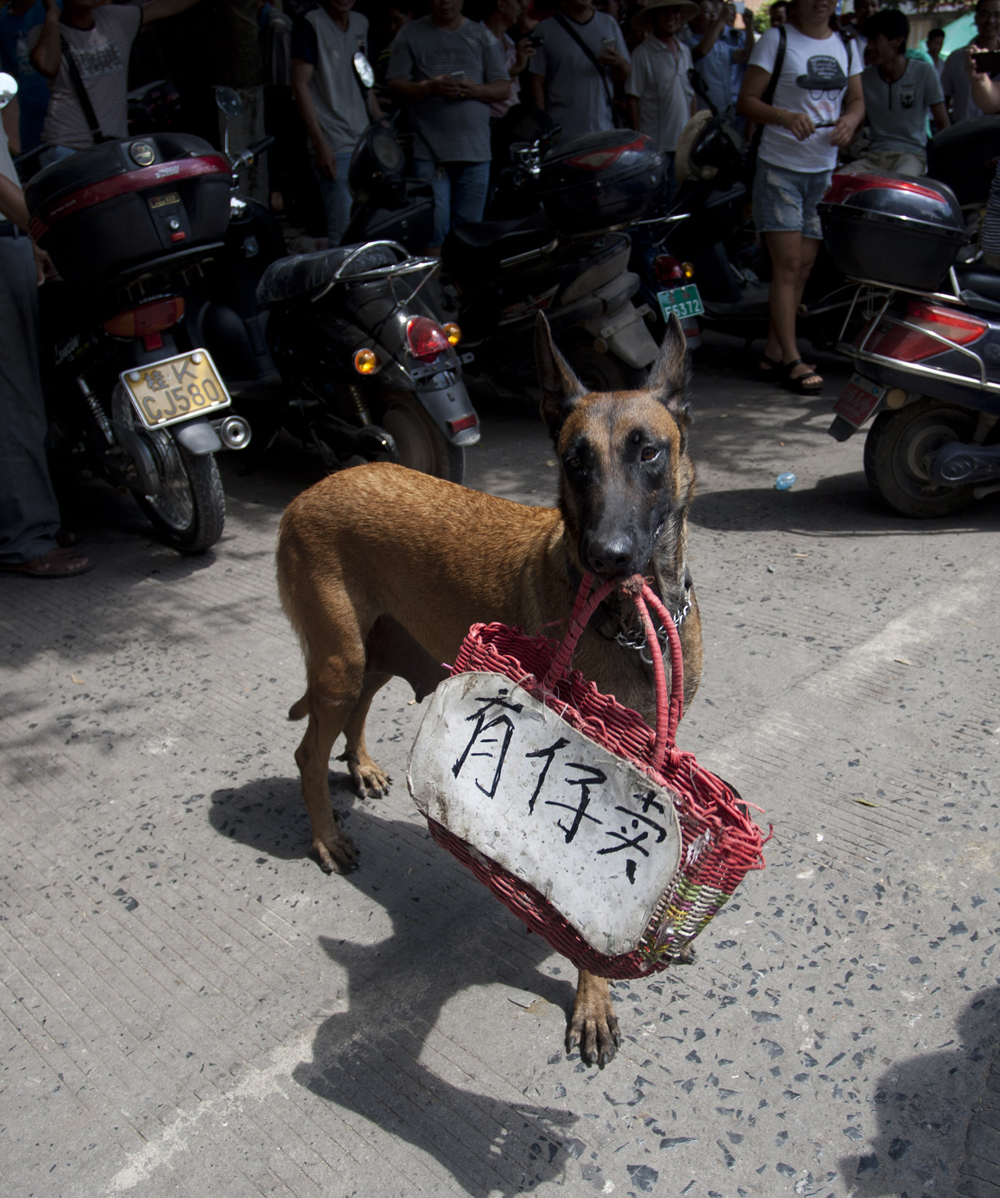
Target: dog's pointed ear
x=671, y=374
x=561, y=389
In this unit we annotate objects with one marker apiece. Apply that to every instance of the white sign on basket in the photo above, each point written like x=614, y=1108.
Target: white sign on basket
x=592, y=834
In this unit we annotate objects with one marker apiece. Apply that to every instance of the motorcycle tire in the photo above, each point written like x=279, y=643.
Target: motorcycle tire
x=899, y=449
x=421, y=444
x=190, y=513
x=603, y=372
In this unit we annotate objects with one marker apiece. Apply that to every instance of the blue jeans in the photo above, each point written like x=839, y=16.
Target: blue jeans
x=337, y=199
x=787, y=201
x=54, y=154
x=29, y=511
x=460, y=190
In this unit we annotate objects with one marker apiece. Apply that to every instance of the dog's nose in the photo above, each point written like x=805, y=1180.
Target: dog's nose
x=611, y=557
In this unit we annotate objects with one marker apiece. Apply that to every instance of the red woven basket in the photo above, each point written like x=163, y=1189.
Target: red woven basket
x=720, y=842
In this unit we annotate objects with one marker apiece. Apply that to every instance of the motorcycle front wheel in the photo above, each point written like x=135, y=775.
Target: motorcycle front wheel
x=899, y=450
x=190, y=512
x=421, y=444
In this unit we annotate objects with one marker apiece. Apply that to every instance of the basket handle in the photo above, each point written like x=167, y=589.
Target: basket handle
x=669, y=705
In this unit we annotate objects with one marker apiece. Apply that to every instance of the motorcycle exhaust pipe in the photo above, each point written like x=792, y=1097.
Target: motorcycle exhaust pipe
x=234, y=432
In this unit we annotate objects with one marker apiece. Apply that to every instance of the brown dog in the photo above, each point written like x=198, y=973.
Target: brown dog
x=382, y=570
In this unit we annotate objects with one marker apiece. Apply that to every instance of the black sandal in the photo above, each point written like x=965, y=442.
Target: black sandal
x=798, y=384
x=768, y=368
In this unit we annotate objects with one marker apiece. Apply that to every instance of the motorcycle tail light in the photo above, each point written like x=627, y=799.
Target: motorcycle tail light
x=367, y=361
x=597, y=160
x=669, y=269
x=912, y=345
x=151, y=317
x=426, y=338
x=453, y=333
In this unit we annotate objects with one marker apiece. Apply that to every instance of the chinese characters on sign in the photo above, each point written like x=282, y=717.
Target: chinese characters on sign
x=582, y=826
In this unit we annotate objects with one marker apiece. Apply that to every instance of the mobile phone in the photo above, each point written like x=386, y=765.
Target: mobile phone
x=536, y=40
x=458, y=74
x=608, y=43
x=739, y=5
x=988, y=61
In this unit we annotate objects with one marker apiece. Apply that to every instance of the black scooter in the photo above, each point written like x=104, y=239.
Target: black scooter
x=340, y=347
x=501, y=273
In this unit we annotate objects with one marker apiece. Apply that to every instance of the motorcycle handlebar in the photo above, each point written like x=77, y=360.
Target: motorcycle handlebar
x=245, y=157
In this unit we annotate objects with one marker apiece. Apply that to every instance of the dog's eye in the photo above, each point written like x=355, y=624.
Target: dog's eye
x=574, y=463
x=650, y=453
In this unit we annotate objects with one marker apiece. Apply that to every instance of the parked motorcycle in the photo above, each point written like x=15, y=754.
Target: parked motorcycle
x=130, y=394
x=339, y=347
x=569, y=260
x=927, y=353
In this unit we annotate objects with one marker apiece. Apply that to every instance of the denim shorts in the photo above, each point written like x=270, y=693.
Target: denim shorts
x=786, y=201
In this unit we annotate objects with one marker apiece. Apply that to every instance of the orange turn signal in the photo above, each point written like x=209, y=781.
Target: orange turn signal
x=366, y=361
x=453, y=333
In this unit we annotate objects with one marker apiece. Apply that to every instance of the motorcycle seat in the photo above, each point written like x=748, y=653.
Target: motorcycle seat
x=482, y=245
x=977, y=282
x=304, y=274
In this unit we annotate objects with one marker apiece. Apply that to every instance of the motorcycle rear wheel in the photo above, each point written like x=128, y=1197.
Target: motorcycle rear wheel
x=421, y=444
x=190, y=513
x=899, y=449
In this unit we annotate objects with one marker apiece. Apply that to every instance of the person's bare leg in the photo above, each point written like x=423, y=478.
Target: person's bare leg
x=792, y=258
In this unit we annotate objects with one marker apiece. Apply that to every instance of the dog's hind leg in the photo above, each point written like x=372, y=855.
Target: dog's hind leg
x=329, y=711
x=389, y=651
x=593, y=1024
x=370, y=781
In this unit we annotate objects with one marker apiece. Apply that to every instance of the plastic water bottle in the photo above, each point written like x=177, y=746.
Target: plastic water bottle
x=784, y=481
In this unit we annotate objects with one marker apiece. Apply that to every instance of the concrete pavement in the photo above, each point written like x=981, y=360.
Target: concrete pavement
x=192, y=1008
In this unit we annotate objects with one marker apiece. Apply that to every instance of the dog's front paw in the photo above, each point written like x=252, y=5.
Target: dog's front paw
x=369, y=781
x=593, y=1026
x=337, y=854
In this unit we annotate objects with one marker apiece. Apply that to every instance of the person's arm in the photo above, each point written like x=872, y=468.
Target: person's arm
x=421, y=89
x=524, y=53
x=852, y=114
x=985, y=91
x=156, y=10
x=715, y=31
x=751, y=105
x=488, y=93
x=46, y=54
x=11, y=120
x=12, y=205
x=538, y=91
x=744, y=54
x=940, y=114
x=326, y=159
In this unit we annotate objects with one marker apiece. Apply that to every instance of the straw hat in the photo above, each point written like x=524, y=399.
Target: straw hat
x=643, y=19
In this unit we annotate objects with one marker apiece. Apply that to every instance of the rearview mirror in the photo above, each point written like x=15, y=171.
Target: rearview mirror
x=8, y=88
x=228, y=101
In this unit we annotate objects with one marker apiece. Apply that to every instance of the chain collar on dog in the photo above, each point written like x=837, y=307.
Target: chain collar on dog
x=637, y=640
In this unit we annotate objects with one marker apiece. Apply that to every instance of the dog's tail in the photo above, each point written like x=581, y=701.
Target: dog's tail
x=299, y=710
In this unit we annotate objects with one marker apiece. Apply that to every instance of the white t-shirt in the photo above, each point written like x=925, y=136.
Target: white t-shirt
x=659, y=80
x=813, y=80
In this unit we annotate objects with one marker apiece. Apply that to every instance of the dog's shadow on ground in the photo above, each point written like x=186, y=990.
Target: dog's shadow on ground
x=939, y=1116
x=448, y=935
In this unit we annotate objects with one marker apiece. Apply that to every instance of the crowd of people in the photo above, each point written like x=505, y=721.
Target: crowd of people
x=813, y=87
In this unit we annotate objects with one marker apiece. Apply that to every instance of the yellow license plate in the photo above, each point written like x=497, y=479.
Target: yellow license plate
x=175, y=389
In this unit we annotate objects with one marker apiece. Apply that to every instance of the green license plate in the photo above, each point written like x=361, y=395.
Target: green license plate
x=685, y=301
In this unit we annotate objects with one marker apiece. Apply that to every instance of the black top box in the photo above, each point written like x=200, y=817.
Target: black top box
x=104, y=212
x=893, y=229
x=601, y=179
